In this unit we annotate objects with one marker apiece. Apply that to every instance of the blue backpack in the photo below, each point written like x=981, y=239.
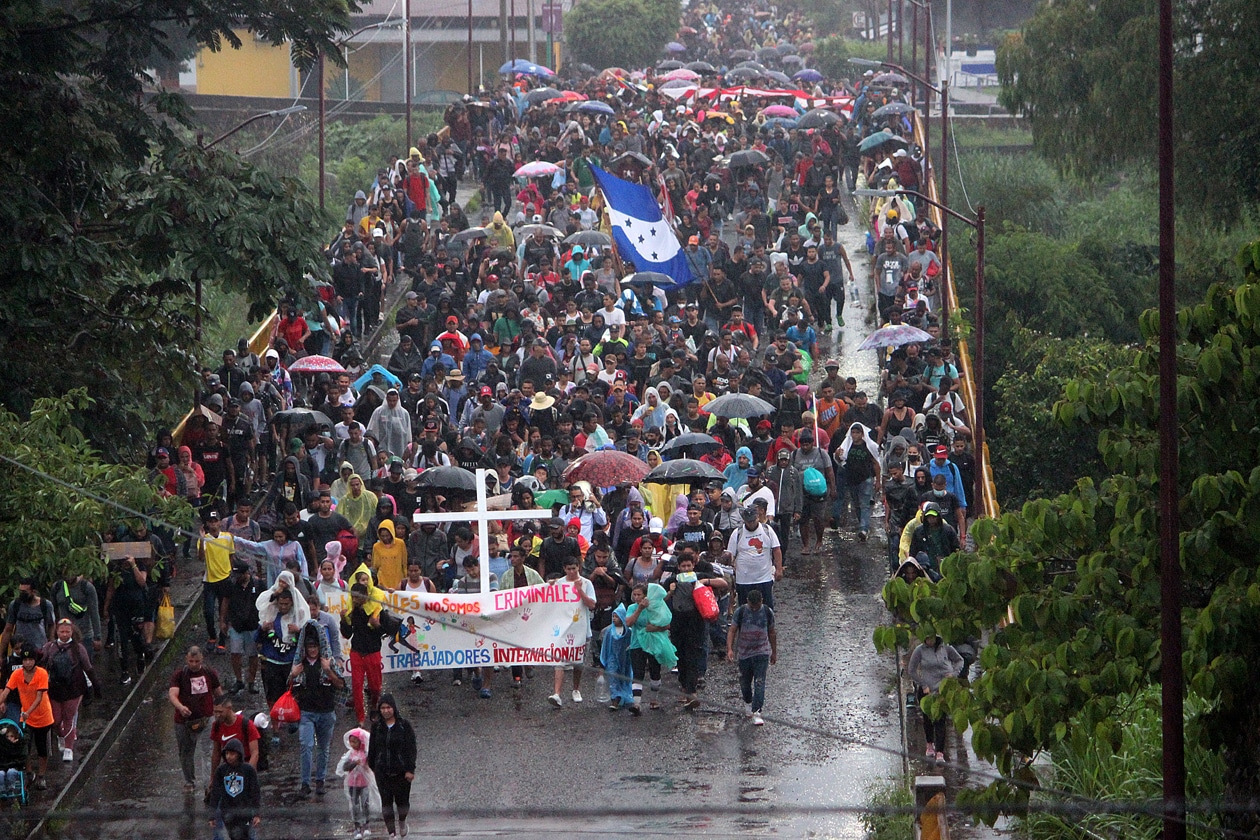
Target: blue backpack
x=815, y=482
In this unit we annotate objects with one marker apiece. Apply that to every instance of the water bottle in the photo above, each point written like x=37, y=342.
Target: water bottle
x=601, y=690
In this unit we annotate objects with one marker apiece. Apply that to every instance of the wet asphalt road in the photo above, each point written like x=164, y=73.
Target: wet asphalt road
x=583, y=770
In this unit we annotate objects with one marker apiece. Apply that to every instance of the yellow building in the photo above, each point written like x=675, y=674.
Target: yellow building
x=256, y=69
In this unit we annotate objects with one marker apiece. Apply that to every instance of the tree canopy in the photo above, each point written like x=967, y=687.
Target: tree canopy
x=1084, y=74
x=1079, y=574
x=51, y=529
x=114, y=209
x=621, y=33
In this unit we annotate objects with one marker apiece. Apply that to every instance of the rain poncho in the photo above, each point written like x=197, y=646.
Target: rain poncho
x=737, y=476
x=390, y=561
x=614, y=656
x=358, y=509
x=501, y=233
x=654, y=642
x=679, y=516
x=653, y=411
x=392, y=428
x=273, y=555
x=353, y=767
x=376, y=595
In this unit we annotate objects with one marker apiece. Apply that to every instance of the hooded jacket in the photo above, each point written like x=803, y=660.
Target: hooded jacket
x=737, y=476
x=296, y=489
x=235, y=795
x=614, y=656
x=392, y=749
x=360, y=509
x=654, y=642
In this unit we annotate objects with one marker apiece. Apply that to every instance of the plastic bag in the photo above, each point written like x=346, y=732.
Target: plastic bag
x=706, y=601
x=286, y=709
x=815, y=482
x=165, y=628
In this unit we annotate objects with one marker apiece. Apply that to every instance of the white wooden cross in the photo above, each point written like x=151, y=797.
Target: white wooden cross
x=483, y=518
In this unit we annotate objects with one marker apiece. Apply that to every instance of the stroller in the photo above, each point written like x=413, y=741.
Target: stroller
x=13, y=749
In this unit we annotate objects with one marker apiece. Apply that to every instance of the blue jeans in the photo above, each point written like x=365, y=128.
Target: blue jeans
x=860, y=496
x=221, y=831
x=315, y=726
x=752, y=679
x=350, y=311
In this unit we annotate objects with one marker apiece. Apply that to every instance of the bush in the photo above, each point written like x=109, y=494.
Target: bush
x=621, y=33
x=832, y=54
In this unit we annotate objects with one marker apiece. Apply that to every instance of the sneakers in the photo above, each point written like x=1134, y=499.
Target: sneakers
x=126, y=679
x=655, y=685
x=516, y=682
x=319, y=787
x=861, y=536
x=358, y=835
x=577, y=696
x=615, y=705
x=457, y=681
x=477, y=682
x=418, y=677
x=306, y=791
x=757, y=719
x=555, y=700
x=41, y=783
x=402, y=829
x=930, y=752
x=692, y=704
x=636, y=709
x=484, y=694
x=253, y=689
x=67, y=754
x=748, y=712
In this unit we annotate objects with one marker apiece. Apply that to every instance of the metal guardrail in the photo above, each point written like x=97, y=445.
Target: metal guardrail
x=988, y=497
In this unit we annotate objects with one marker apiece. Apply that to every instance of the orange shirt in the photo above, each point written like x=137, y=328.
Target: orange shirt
x=42, y=714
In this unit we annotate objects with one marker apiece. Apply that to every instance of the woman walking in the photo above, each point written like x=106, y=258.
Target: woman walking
x=69, y=675
x=392, y=758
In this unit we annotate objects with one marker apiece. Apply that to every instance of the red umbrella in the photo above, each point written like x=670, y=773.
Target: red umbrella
x=606, y=468
x=316, y=364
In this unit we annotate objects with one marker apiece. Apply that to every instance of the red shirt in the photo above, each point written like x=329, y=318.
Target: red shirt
x=241, y=728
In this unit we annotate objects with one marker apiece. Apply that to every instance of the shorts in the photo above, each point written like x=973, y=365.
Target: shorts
x=242, y=643
x=569, y=666
x=814, y=508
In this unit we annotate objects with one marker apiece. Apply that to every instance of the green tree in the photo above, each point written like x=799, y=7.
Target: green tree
x=1079, y=574
x=51, y=530
x=114, y=211
x=621, y=33
x=1034, y=456
x=1084, y=74
x=832, y=54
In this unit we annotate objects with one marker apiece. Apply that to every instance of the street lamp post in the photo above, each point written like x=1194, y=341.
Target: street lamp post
x=978, y=359
x=407, y=63
x=281, y=112
x=385, y=24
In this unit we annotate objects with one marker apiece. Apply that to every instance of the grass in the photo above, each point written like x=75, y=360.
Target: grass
x=970, y=134
x=224, y=323
x=890, y=794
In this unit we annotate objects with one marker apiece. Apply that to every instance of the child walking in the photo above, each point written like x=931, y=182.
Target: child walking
x=360, y=781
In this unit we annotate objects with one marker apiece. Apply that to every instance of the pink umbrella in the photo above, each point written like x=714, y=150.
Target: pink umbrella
x=316, y=364
x=779, y=111
x=681, y=73
x=536, y=169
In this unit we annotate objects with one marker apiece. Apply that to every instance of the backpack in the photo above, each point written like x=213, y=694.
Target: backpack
x=815, y=482
x=61, y=668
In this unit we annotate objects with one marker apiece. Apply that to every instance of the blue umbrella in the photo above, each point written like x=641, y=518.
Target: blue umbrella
x=808, y=75
x=591, y=107
x=778, y=122
x=674, y=46
x=524, y=67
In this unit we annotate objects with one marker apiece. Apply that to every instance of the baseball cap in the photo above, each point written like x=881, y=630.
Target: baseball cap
x=940, y=450
x=832, y=363
x=451, y=319
x=749, y=513
x=486, y=391
x=695, y=240
x=412, y=296
x=656, y=526
x=753, y=472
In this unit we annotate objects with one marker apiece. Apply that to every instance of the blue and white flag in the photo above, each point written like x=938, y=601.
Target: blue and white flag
x=640, y=231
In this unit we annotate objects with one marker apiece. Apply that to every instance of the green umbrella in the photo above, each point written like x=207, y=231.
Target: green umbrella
x=879, y=138
x=551, y=497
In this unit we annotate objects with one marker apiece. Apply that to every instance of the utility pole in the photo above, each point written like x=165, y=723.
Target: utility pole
x=407, y=64
x=470, y=46
x=503, y=30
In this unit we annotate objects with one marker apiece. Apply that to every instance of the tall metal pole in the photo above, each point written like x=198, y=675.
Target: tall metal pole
x=979, y=360
x=890, y=27
x=945, y=272
x=470, y=48
x=1170, y=672
x=901, y=38
x=512, y=29
x=503, y=30
x=319, y=68
x=531, y=32
x=914, y=44
x=407, y=63
x=949, y=38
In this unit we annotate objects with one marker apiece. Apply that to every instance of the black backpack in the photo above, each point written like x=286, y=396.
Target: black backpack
x=61, y=668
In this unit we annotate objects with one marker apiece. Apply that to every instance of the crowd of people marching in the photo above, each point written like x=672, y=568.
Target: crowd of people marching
x=519, y=350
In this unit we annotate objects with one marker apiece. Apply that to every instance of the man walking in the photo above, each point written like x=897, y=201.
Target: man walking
x=757, y=558
x=753, y=643
x=315, y=682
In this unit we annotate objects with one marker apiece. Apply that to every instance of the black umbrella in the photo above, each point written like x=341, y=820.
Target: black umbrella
x=529, y=230
x=818, y=118
x=630, y=157
x=669, y=64
x=692, y=443
x=786, y=49
x=468, y=235
x=701, y=67
x=893, y=109
x=781, y=78
x=747, y=157
x=742, y=74
x=740, y=55
x=589, y=239
x=752, y=65
x=791, y=60
x=738, y=405
x=541, y=95
x=767, y=54
x=448, y=480
x=584, y=68
x=682, y=471
x=301, y=418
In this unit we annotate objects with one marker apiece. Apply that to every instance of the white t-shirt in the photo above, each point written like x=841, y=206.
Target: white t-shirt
x=588, y=589
x=754, y=553
x=615, y=317
x=763, y=492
